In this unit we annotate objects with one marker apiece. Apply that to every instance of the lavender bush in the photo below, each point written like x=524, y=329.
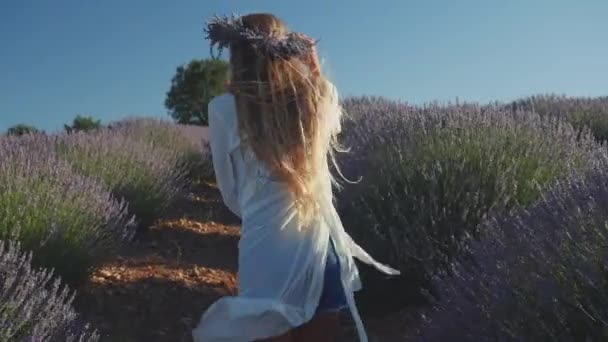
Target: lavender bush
x=432, y=173
x=70, y=222
x=147, y=177
x=541, y=273
x=193, y=151
x=582, y=112
x=33, y=305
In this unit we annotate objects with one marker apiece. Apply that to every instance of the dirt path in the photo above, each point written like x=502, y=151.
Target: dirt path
x=157, y=289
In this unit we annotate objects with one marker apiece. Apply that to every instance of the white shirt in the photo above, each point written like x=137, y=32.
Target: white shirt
x=281, y=267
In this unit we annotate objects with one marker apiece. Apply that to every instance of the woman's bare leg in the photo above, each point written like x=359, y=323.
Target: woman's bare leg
x=322, y=328
x=287, y=337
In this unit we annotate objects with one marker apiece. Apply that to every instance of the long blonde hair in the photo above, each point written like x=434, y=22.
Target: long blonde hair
x=288, y=113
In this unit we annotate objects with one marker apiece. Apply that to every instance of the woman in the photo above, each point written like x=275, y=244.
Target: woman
x=272, y=137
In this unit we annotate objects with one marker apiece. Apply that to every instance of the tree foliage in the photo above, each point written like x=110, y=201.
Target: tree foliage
x=192, y=87
x=83, y=123
x=22, y=129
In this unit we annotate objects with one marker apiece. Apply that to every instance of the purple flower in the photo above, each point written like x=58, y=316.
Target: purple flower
x=432, y=173
x=585, y=113
x=71, y=222
x=225, y=30
x=540, y=272
x=33, y=305
x=148, y=176
x=188, y=141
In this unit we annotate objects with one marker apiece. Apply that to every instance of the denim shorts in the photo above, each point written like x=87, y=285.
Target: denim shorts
x=333, y=298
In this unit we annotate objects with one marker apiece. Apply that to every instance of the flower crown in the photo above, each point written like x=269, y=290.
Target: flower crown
x=225, y=30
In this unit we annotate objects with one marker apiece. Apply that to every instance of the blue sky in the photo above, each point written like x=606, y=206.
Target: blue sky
x=115, y=58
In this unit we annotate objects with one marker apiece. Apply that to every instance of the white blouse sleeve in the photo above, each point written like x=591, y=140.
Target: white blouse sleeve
x=219, y=138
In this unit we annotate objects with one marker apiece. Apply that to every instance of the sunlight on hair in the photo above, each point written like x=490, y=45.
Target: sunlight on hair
x=289, y=114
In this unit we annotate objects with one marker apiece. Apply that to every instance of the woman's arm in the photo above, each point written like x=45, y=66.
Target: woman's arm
x=222, y=161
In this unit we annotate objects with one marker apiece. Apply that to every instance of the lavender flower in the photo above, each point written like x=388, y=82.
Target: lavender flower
x=432, y=173
x=70, y=222
x=541, y=273
x=188, y=141
x=582, y=112
x=146, y=176
x=33, y=306
x=226, y=30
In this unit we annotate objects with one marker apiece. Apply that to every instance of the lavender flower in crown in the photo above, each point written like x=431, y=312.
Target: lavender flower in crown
x=228, y=29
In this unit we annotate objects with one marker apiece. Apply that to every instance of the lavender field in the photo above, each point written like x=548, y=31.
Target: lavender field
x=497, y=215
x=71, y=201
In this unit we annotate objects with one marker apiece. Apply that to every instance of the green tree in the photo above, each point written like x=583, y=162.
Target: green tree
x=22, y=129
x=192, y=87
x=83, y=123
